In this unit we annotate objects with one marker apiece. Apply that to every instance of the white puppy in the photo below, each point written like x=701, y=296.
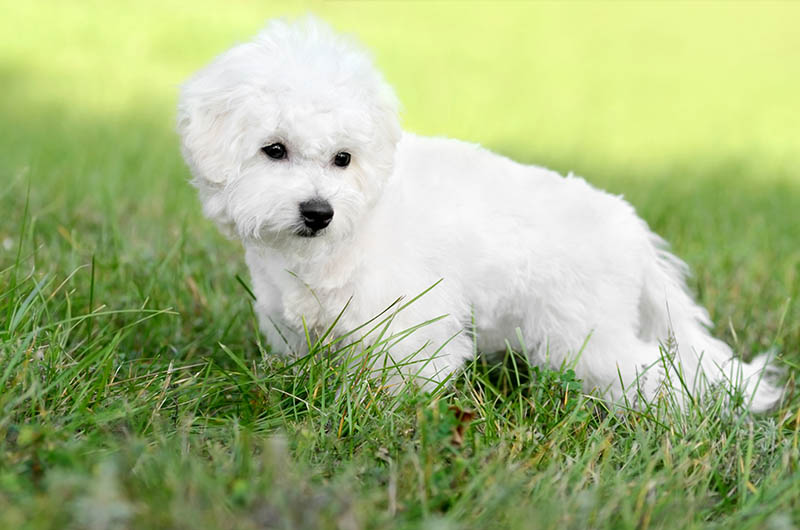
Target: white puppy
x=296, y=149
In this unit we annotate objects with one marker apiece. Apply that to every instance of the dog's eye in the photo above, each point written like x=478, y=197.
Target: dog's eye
x=276, y=151
x=342, y=159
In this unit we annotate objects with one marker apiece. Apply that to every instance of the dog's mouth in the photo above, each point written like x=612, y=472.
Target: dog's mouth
x=305, y=231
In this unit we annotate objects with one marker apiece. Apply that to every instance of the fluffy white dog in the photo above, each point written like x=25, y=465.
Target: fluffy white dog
x=296, y=149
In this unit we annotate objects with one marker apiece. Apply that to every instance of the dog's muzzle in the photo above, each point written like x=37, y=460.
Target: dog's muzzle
x=316, y=215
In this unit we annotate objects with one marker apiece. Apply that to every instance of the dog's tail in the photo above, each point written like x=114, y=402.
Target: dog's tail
x=700, y=362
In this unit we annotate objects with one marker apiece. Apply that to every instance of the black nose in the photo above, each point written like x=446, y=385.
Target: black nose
x=316, y=213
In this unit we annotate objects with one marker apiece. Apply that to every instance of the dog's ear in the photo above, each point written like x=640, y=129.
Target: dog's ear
x=387, y=107
x=202, y=124
x=209, y=121
x=210, y=138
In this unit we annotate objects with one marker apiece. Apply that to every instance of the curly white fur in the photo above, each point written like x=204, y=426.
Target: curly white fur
x=522, y=252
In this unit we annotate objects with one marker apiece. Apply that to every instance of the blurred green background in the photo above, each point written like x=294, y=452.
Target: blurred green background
x=619, y=84
x=691, y=110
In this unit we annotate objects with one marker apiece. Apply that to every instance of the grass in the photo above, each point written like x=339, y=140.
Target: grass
x=135, y=391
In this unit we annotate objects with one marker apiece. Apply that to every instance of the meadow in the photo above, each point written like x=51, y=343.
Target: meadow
x=136, y=391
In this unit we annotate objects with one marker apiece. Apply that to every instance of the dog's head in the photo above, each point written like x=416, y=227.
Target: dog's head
x=289, y=137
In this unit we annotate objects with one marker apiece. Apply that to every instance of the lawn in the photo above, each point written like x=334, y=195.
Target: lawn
x=135, y=391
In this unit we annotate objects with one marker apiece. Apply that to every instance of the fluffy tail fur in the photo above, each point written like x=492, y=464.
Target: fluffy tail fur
x=702, y=362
